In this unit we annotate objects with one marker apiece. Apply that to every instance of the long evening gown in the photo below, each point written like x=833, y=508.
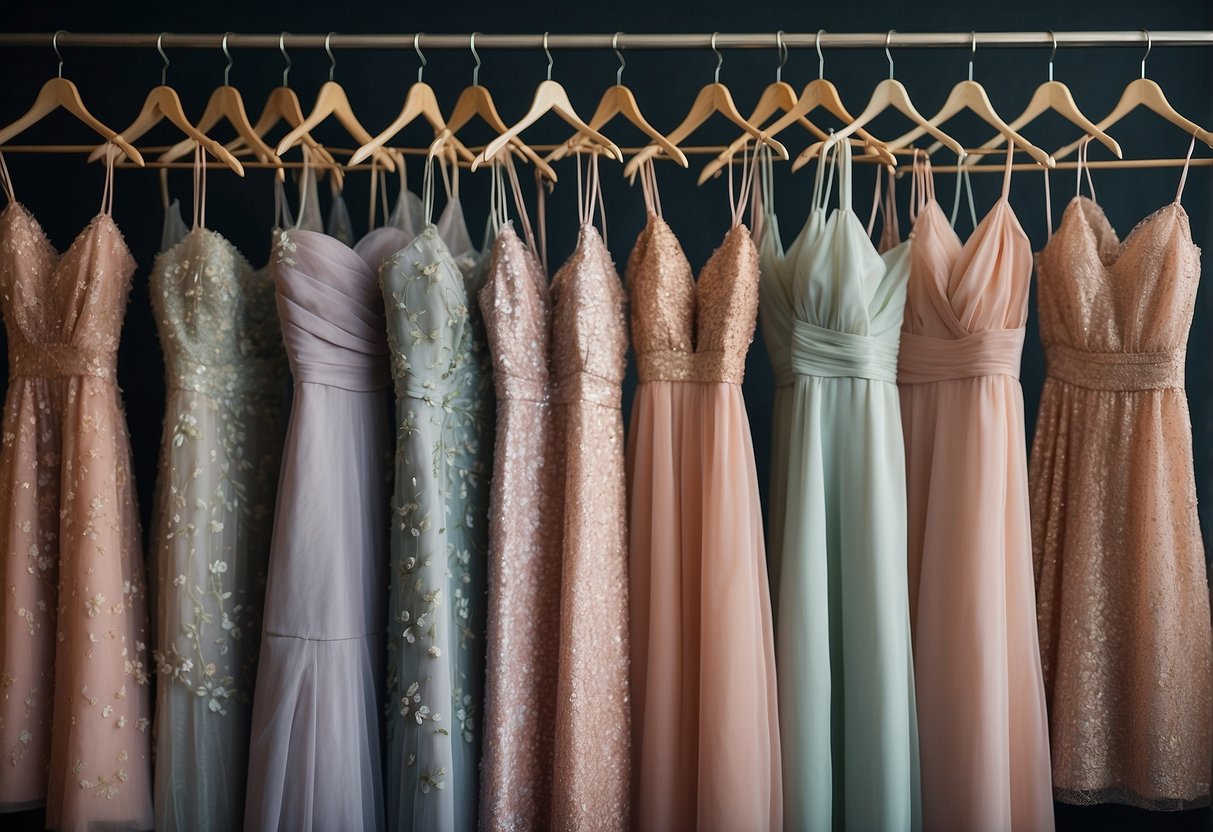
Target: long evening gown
x=525, y=514
x=846, y=683
x=314, y=761
x=439, y=526
x=219, y=458
x=1122, y=596
x=75, y=711
x=983, y=732
x=589, y=352
x=704, y=705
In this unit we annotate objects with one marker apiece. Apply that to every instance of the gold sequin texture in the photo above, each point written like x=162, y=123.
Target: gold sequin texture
x=1122, y=600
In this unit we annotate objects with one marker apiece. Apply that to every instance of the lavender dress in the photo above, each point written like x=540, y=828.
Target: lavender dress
x=314, y=762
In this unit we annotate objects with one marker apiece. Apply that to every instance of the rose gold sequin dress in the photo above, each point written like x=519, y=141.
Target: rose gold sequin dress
x=706, y=751
x=74, y=703
x=1122, y=599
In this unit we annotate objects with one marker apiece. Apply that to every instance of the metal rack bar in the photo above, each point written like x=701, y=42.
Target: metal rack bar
x=767, y=40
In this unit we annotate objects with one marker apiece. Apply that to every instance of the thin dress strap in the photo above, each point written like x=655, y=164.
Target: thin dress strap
x=1006, y=173
x=427, y=191
x=1183, y=177
x=844, y=176
x=823, y=180
x=541, y=219
x=6, y=180
x=107, y=193
x=885, y=203
x=589, y=198
x=1081, y=167
x=648, y=186
x=1048, y=205
x=749, y=166
x=199, y=186
x=963, y=182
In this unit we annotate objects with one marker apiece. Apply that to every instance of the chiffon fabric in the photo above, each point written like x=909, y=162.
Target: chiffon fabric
x=846, y=685
x=525, y=517
x=983, y=731
x=75, y=712
x=315, y=756
x=1122, y=597
x=219, y=458
x=705, y=722
x=439, y=524
x=591, y=786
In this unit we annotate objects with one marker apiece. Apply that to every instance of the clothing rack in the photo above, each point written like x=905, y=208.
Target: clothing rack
x=723, y=40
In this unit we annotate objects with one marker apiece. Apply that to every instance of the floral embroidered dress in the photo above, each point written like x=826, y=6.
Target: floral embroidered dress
x=439, y=525
x=221, y=447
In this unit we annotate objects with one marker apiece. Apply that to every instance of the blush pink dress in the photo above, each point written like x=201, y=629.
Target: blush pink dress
x=982, y=731
x=1122, y=594
x=705, y=725
x=75, y=706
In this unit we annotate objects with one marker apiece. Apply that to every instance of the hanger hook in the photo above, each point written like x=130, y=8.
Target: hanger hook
x=619, y=55
x=719, y=57
x=227, y=70
x=783, y=55
x=972, y=52
x=547, y=52
x=282, y=48
x=420, y=57
x=888, y=41
x=163, y=57
x=476, y=55
x=821, y=61
x=1053, y=54
x=328, y=40
x=1149, y=46
x=55, y=46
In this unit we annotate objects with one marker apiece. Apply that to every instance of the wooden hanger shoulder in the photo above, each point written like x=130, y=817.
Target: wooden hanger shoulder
x=60, y=93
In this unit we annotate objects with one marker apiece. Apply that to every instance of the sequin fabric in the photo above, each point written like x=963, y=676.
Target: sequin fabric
x=74, y=681
x=1122, y=599
x=524, y=567
x=589, y=353
x=219, y=460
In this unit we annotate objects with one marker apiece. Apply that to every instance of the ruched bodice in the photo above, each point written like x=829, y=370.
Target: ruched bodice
x=688, y=331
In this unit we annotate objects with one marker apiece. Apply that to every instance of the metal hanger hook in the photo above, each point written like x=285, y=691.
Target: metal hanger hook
x=282, y=48
x=476, y=55
x=55, y=46
x=420, y=57
x=163, y=57
x=888, y=40
x=1149, y=46
x=1052, y=54
x=619, y=55
x=328, y=40
x=821, y=61
x=783, y=54
x=547, y=52
x=972, y=52
x=719, y=57
x=227, y=70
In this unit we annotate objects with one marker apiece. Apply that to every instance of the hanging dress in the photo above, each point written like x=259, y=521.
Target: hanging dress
x=983, y=732
x=525, y=516
x=1122, y=596
x=220, y=451
x=314, y=760
x=705, y=724
x=846, y=685
x=439, y=526
x=76, y=707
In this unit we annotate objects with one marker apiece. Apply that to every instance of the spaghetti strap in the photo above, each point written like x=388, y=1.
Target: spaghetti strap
x=648, y=186
x=963, y=182
x=1006, y=172
x=1081, y=167
x=199, y=186
x=1048, y=206
x=1183, y=177
x=541, y=220
x=107, y=193
x=749, y=165
x=844, y=176
x=303, y=187
x=6, y=180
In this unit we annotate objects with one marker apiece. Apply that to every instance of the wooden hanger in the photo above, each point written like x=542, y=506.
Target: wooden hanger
x=618, y=100
x=970, y=95
x=163, y=104
x=226, y=104
x=889, y=93
x=332, y=101
x=780, y=96
x=549, y=97
x=1142, y=92
x=419, y=102
x=60, y=93
x=477, y=101
x=1051, y=95
x=712, y=99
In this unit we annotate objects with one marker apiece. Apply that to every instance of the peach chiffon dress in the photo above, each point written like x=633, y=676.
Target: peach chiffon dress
x=704, y=704
x=1122, y=593
x=74, y=698
x=982, y=730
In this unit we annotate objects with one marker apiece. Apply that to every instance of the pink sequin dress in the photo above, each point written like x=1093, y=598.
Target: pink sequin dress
x=1122, y=597
x=705, y=727
x=74, y=702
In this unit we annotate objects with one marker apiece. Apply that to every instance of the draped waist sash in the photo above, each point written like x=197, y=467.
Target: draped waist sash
x=1121, y=371
x=991, y=352
x=828, y=353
